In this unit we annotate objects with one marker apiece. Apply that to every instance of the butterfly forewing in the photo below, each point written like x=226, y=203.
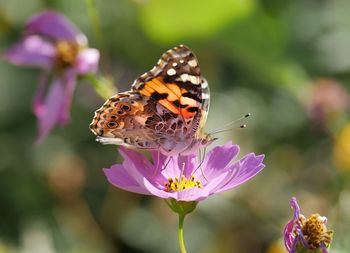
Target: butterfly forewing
x=165, y=109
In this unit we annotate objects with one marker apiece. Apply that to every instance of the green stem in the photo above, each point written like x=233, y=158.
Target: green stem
x=181, y=234
x=97, y=33
x=103, y=86
x=95, y=20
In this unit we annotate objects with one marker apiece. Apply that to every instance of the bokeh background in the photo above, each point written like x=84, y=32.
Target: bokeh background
x=286, y=62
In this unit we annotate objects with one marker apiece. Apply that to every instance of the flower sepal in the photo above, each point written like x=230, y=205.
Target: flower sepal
x=182, y=207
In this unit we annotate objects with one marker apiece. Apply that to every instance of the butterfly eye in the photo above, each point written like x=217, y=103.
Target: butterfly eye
x=112, y=124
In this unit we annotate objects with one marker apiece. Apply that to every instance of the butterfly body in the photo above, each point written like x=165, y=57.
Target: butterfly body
x=165, y=109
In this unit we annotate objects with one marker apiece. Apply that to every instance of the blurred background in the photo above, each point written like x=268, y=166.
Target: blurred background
x=286, y=62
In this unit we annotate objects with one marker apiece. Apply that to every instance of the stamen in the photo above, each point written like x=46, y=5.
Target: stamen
x=315, y=231
x=182, y=184
x=66, y=54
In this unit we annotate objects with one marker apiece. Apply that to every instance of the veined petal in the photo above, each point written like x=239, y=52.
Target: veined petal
x=117, y=176
x=218, y=158
x=288, y=235
x=244, y=169
x=193, y=194
x=55, y=26
x=139, y=167
x=32, y=51
x=87, y=61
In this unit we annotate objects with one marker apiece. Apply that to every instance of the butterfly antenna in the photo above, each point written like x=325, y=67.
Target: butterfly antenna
x=225, y=127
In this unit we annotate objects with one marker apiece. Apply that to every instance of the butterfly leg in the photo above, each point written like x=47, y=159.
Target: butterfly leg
x=201, y=162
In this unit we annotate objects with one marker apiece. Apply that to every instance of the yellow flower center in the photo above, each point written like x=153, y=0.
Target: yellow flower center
x=66, y=53
x=182, y=184
x=315, y=231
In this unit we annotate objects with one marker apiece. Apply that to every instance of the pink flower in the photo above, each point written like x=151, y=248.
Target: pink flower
x=51, y=42
x=301, y=233
x=183, y=178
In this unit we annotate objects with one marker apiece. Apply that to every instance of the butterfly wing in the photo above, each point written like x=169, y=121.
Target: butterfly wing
x=166, y=107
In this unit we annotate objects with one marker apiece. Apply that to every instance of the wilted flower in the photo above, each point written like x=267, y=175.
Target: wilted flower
x=301, y=233
x=184, y=178
x=51, y=42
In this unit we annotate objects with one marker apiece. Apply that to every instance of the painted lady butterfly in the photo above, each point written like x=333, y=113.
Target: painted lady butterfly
x=165, y=109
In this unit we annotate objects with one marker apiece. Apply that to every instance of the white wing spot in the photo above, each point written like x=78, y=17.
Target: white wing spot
x=174, y=64
x=204, y=84
x=171, y=72
x=191, y=78
x=205, y=96
x=182, y=61
x=192, y=63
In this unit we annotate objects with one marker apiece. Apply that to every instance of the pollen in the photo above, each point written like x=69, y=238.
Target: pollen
x=315, y=231
x=182, y=184
x=66, y=54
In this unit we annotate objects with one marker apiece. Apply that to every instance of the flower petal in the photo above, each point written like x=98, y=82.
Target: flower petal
x=56, y=26
x=117, y=176
x=87, y=61
x=51, y=109
x=243, y=170
x=288, y=235
x=139, y=167
x=69, y=80
x=294, y=205
x=192, y=194
x=32, y=51
x=38, y=106
x=217, y=159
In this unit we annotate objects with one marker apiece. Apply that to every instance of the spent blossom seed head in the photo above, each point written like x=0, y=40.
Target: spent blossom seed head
x=302, y=233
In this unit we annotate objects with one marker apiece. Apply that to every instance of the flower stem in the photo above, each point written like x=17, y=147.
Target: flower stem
x=97, y=33
x=180, y=233
x=103, y=86
x=95, y=20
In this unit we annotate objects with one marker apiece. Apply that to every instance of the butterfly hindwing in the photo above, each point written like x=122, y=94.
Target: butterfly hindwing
x=167, y=107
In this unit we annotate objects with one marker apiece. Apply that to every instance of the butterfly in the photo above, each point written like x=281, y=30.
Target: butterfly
x=165, y=110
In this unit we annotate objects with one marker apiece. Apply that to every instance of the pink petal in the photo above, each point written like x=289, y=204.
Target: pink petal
x=38, y=101
x=139, y=167
x=243, y=170
x=32, y=51
x=217, y=159
x=51, y=109
x=192, y=194
x=69, y=80
x=87, y=61
x=117, y=176
x=288, y=235
x=54, y=25
x=56, y=108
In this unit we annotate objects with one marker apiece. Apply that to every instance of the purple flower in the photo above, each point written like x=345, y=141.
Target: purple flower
x=51, y=42
x=301, y=233
x=184, y=178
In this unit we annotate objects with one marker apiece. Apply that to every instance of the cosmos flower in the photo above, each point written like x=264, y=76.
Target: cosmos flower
x=301, y=233
x=184, y=178
x=55, y=45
